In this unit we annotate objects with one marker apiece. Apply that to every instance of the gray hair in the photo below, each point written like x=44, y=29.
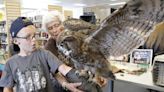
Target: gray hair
x=49, y=17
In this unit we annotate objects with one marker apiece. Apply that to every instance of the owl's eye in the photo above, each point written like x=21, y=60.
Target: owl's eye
x=61, y=45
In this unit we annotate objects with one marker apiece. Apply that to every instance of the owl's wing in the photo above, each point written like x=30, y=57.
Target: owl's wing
x=78, y=24
x=127, y=28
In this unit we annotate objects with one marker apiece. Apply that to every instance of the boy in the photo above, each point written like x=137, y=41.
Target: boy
x=29, y=70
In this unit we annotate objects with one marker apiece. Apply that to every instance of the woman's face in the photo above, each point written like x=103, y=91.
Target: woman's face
x=54, y=28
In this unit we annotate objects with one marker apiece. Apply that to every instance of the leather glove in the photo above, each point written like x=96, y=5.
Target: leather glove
x=86, y=86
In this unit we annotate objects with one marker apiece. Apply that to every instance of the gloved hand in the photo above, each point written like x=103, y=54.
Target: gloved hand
x=86, y=86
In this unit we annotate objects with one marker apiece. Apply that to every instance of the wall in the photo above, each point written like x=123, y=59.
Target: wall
x=77, y=11
x=101, y=12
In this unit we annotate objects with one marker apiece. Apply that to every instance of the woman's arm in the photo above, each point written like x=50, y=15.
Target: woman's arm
x=64, y=69
x=6, y=89
x=66, y=85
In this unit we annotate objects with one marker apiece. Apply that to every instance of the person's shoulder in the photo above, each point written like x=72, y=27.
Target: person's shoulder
x=41, y=50
x=12, y=59
x=49, y=43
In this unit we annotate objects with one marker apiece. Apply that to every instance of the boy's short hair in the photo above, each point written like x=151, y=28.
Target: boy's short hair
x=18, y=24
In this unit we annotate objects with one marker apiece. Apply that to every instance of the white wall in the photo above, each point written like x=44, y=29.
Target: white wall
x=77, y=11
x=100, y=12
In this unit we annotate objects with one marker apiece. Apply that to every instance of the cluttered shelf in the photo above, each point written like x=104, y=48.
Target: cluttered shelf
x=144, y=80
x=136, y=74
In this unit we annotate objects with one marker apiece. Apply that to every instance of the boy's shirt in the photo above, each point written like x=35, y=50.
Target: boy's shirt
x=30, y=73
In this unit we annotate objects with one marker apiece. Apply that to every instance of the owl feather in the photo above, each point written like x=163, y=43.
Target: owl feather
x=90, y=46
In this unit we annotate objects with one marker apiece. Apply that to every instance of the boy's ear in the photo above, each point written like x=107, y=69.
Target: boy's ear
x=15, y=41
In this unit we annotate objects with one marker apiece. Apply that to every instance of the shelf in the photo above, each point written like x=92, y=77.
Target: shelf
x=4, y=43
x=2, y=23
x=3, y=32
x=41, y=38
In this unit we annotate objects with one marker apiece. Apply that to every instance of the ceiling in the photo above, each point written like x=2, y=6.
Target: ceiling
x=88, y=3
x=71, y=3
x=1, y=1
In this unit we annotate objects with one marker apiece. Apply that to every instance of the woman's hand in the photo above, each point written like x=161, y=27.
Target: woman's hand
x=72, y=86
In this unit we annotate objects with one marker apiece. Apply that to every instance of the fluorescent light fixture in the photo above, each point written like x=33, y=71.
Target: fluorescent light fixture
x=78, y=4
x=120, y=3
x=113, y=0
x=37, y=4
x=2, y=6
x=55, y=2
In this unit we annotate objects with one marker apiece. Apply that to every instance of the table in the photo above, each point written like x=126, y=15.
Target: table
x=143, y=80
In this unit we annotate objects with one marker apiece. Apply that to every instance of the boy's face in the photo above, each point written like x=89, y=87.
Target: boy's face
x=26, y=39
x=54, y=28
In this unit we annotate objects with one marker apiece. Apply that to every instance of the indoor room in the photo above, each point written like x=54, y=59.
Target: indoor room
x=81, y=46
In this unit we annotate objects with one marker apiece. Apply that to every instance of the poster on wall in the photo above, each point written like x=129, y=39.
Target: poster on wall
x=142, y=56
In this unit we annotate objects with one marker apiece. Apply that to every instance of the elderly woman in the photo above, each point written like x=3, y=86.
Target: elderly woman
x=52, y=23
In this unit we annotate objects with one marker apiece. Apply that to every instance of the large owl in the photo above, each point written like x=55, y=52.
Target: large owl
x=89, y=46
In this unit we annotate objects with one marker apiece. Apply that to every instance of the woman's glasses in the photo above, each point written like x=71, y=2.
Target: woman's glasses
x=55, y=26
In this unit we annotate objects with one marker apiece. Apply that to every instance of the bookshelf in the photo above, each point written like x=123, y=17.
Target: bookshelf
x=41, y=35
x=12, y=11
x=3, y=42
x=3, y=36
